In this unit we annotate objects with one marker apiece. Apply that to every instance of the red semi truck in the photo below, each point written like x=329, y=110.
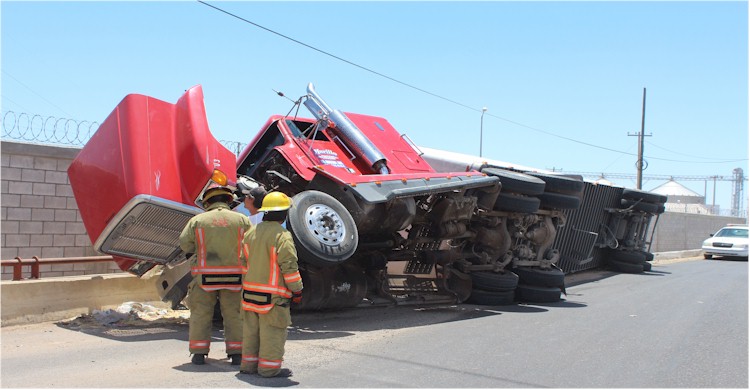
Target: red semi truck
x=372, y=220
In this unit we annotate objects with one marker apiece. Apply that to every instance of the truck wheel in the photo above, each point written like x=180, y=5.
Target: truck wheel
x=555, y=201
x=537, y=294
x=643, y=195
x=491, y=298
x=560, y=184
x=516, y=203
x=627, y=268
x=629, y=256
x=552, y=277
x=324, y=231
x=515, y=182
x=641, y=206
x=494, y=281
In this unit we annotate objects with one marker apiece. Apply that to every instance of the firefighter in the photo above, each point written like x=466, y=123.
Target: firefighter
x=215, y=236
x=271, y=284
x=253, y=202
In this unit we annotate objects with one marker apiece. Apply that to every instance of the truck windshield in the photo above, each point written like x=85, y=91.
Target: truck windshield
x=305, y=130
x=270, y=139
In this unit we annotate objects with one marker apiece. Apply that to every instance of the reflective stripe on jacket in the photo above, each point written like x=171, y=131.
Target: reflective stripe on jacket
x=215, y=237
x=272, y=269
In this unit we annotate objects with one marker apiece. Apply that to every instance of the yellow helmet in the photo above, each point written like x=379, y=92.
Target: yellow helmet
x=276, y=201
x=215, y=190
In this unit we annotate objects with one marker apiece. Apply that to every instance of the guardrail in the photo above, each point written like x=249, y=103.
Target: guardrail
x=18, y=264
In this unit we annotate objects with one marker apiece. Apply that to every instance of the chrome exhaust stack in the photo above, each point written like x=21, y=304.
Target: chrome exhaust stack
x=349, y=133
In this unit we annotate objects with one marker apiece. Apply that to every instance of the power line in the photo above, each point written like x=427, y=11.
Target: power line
x=440, y=96
x=652, y=176
x=713, y=160
x=35, y=93
x=337, y=57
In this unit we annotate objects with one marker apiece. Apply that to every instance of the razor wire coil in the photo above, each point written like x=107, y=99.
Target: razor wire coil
x=62, y=131
x=49, y=129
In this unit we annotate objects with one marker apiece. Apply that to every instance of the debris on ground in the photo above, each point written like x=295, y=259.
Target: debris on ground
x=131, y=314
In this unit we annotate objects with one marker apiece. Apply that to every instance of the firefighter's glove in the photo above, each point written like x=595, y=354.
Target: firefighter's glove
x=297, y=296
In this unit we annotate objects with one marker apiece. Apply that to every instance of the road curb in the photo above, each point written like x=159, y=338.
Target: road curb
x=676, y=256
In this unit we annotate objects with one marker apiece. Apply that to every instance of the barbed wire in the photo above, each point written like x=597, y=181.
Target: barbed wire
x=234, y=146
x=63, y=131
x=49, y=129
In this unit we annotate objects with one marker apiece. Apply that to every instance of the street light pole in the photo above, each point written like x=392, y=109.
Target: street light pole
x=481, y=130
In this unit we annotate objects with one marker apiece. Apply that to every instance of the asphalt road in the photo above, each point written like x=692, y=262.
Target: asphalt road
x=684, y=324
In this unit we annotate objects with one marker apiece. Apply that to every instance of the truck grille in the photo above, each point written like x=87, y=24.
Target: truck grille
x=147, y=228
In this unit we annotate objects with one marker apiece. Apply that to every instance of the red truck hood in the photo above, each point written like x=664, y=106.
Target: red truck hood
x=146, y=148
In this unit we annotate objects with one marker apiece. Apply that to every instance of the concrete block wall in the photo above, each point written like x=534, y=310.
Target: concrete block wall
x=38, y=214
x=681, y=231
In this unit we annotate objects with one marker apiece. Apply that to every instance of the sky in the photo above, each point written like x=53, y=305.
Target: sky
x=563, y=82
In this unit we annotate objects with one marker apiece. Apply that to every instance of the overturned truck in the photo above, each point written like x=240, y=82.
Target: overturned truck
x=375, y=219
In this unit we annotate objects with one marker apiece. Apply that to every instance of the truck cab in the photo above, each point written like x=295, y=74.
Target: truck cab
x=372, y=221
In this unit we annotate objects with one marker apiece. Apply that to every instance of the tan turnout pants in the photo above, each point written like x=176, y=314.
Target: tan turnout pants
x=263, y=339
x=201, y=305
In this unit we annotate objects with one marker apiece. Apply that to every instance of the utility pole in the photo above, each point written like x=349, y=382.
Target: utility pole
x=641, y=164
x=481, y=129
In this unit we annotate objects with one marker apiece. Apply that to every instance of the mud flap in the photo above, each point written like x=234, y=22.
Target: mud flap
x=172, y=284
x=459, y=284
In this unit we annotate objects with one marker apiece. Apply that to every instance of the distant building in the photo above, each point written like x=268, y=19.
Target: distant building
x=682, y=199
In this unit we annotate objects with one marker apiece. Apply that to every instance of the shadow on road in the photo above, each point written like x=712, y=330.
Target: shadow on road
x=257, y=380
x=343, y=323
x=576, y=279
x=212, y=365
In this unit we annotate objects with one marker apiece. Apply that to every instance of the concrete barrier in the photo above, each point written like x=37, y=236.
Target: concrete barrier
x=54, y=299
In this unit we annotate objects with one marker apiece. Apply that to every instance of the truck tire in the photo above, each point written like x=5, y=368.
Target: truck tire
x=324, y=231
x=560, y=184
x=515, y=182
x=644, y=206
x=627, y=268
x=552, y=277
x=537, y=294
x=555, y=201
x=628, y=256
x=517, y=203
x=494, y=281
x=491, y=298
x=643, y=195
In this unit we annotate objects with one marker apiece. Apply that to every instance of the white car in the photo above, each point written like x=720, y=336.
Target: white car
x=730, y=240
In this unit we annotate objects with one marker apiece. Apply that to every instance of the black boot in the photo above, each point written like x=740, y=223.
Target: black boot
x=236, y=359
x=283, y=373
x=199, y=359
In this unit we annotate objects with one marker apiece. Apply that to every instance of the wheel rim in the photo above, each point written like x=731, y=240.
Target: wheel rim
x=325, y=224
